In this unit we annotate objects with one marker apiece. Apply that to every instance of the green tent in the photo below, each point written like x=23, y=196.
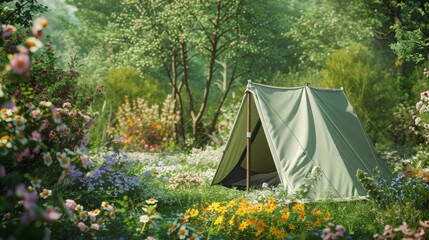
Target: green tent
x=296, y=135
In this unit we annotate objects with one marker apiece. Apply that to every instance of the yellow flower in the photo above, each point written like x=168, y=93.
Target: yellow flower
x=243, y=226
x=257, y=233
x=327, y=215
x=318, y=212
x=231, y=221
x=285, y=215
x=259, y=208
x=221, y=209
x=301, y=215
x=317, y=223
x=251, y=221
x=298, y=207
x=270, y=207
x=271, y=200
x=231, y=204
x=291, y=227
x=213, y=207
x=241, y=211
x=192, y=212
x=218, y=220
x=261, y=224
x=280, y=234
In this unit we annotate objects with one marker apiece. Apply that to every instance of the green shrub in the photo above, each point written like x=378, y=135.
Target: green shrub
x=365, y=82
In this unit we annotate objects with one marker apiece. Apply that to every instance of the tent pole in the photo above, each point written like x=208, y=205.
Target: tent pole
x=249, y=139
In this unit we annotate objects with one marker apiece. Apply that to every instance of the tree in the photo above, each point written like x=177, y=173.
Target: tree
x=411, y=28
x=194, y=43
x=20, y=12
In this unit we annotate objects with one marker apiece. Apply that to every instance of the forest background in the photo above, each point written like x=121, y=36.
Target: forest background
x=204, y=52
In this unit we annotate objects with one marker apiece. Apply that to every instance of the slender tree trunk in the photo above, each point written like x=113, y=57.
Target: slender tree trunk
x=179, y=128
x=225, y=91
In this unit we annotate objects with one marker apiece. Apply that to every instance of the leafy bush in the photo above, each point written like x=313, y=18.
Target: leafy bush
x=365, y=82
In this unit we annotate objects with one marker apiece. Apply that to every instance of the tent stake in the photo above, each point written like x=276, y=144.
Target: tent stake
x=249, y=140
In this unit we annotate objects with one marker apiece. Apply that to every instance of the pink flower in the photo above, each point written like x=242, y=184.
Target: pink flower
x=37, y=149
x=419, y=233
x=70, y=204
x=52, y=215
x=20, y=63
x=404, y=229
x=29, y=198
x=424, y=224
x=7, y=30
x=92, y=216
x=26, y=153
x=95, y=226
x=82, y=226
x=52, y=134
x=388, y=231
x=22, y=49
x=36, y=136
x=67, y=105
x=85, y=160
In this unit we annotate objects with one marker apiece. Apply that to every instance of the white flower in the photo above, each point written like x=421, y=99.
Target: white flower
x=417, y=120
x=144, y=218
x=34, y=44
x=45, y=193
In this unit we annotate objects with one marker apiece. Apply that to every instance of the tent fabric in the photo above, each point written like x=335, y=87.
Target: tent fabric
x=301, y=129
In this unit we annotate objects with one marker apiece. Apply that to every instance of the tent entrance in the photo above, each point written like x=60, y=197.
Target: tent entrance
x=263, y=169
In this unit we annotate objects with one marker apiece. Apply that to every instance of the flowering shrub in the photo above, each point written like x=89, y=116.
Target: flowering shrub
x=39, y=140
x=82, y=222
x=420, y=126
x=239, y=217
x=140, y=127
x=112, y=175
x=399, y=190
